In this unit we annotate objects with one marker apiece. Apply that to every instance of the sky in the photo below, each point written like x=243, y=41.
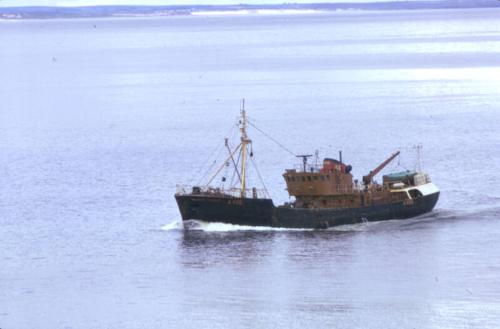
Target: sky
x=70, y=3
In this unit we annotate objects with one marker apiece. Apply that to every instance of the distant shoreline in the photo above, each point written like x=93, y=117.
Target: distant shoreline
x=22, y=13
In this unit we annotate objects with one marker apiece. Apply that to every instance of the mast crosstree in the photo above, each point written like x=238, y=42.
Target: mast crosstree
x=242, y=147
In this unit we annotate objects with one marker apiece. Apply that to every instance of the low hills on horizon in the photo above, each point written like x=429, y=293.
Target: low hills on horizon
x=39, y=12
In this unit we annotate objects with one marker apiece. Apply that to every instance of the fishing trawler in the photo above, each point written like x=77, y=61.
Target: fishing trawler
x=323, y=195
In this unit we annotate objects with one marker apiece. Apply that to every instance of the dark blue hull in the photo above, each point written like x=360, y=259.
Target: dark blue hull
x=262, y=212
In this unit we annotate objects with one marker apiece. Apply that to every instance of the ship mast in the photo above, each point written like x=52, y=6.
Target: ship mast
x=244, y=142
x=243, y=151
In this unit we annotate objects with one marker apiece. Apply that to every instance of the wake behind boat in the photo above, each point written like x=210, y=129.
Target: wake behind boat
x=324, y=195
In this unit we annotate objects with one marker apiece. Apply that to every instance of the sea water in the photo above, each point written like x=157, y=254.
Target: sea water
x=100, y=119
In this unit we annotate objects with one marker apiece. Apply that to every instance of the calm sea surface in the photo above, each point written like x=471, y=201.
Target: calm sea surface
x=100, y=119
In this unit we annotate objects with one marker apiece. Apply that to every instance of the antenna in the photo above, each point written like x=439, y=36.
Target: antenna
x=304, y=159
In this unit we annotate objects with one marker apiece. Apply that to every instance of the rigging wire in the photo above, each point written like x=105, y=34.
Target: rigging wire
x=417, y=160
x=217, y=149
x=232, y=160
x=233, y=183
x=271, y=138
x=260, y=178
x=400, y=163
x=209, y=169
x=223, y=164
x=405, y=162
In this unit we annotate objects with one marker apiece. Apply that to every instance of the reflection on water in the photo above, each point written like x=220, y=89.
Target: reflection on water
x=199, y=249
x=373, y=273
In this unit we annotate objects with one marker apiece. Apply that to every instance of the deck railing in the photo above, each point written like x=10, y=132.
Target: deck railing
x=233, y=192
